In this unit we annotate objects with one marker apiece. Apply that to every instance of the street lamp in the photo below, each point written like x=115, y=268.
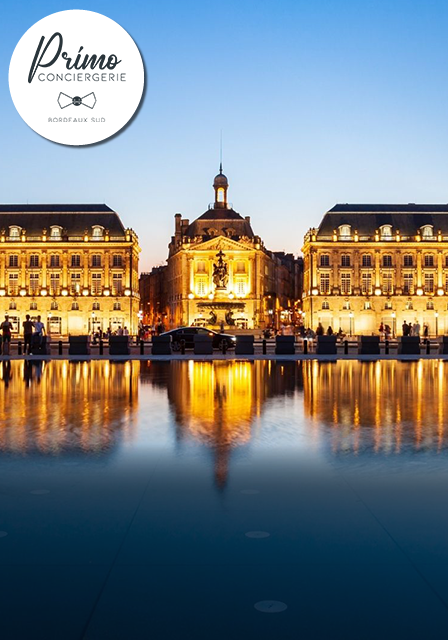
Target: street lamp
x=351, y=322
x=394, y=327
x=437, y=322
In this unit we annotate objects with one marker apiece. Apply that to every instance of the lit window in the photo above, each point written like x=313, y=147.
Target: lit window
x=75, y=283
x=430, y=304
x=366, y=283
x=117, y=284
x=345, y=231
x=76, y=260
x=325, y=305
x=13, y=284
x=96, y=306
x=54, y=305
x=427, y=231
x=346, y=283
x=13, y=261
x=97, y=232
x=97, y=281
x=201, y=286
x=240, y=287
x=387, y=284
x=325, y=260
x=408, y=261
x=55, y=232
x=367, y=260
x=14, y=233
x=75, y=306
x=33, y=306
x=386, y=232
x=220, y=195
x=34, y=260
x=34, y=283
x=55, y=284
x=408, y=283
x=325, y=283
x=367, y=305
x=117, y=306
x=54, y=260
x=345, y=261
x=429, y=283
x=429, y=260
x=387, y=261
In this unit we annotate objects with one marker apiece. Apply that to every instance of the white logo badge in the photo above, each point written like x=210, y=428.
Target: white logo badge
x=76, y=77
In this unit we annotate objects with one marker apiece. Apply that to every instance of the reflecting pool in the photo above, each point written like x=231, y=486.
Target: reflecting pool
x=170, y=499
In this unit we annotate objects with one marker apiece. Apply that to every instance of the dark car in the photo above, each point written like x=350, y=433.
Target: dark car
x=188, y=333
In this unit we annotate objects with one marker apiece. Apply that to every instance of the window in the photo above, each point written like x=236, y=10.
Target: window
x=117, y=260
x=75, y=306
x=386, y=232
x=76, y=260
x=387, y=284
x=345, y=260
x=96, y=260
x=387, y=261
x=346, y=305
x=117, y=284
x=408, y=261
x=325, y=305
x=429, y=260
x=14, y=233
x=54, y=260
x=201, y=286
x=344, y=231
x=13, y=304
x=240, y=286
x=325, y=260
x=346, y=284
x=430, y=304
x=366, y=283
x=97, y=232
x=34, y=283
x=34, y=260
x=75, y=283
x=367, y=305
x=427, y=231
x=240, y=267
x=388, y=304
x=55, y=232
x=325, y=283
x=54, y=305
x=55, y=284
x=429, y=283
x=33, y=306
x=13, y=284
x=409, y=305
x=96, y=306
x=96, y=284
x=408, y=283
x=117, y=306
x=367, y=260
x=13, y=261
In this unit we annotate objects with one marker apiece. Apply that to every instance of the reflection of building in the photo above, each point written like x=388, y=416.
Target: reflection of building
x=367, y=264
x=386, y=406
x=63, y=406
x=75, y=265
x=220, y=272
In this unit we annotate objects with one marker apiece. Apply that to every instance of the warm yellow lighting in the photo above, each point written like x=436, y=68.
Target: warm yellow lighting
x=44, y=238
x=377, y=236
x=210, y=296
x=22, y=292
x=314, y=292
x=393, y=314
x=85, y=292
x=128, y=237
x=440, y=292
x=86, y=238
x=418, y=237
x=335, y=235
x=351, y=314
x=397, y=237
x=64, y=292
x=2, y=292
x=377, y=291
x=419, y=291
x=106, y=292
x=356, y=238
x=127, y=292
x=313, y=238
x=190, y=296
x=257, y=246
x=439, y=236
x=23, y=237
x=43, y=292
x=106, y=237
x=231, y=296
x=436, y=314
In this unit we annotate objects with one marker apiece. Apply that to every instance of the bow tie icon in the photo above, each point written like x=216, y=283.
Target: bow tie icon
x=88, y=101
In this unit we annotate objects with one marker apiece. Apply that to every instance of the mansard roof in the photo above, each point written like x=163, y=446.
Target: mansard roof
x=220, y=221
x=74, y=218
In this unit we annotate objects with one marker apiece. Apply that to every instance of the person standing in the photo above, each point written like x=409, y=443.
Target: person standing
x=6, y=329
x=416, y=328
x=28, y=326
x=320, y=330
x=425, y=330
x=39, y=329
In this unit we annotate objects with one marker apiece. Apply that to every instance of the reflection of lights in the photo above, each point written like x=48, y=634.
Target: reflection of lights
x=211, y=296
x=314, y=292
x=440, y=292
x=64, y=292
x=43, y=292
x=127, y=292
x=190, y=296
x=106, y=292
x=2, y=292
x=377, y=291
x=85, y=292
x=419, y=291
x=23, y=292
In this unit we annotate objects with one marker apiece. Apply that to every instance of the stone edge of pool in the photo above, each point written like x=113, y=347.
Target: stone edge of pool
x=230, y=357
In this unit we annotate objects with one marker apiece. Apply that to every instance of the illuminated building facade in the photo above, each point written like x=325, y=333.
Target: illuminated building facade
x=74, y=265
x=371, y=264
x=220, y=273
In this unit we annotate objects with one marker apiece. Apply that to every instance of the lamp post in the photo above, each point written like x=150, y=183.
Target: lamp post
x=437, y=322
x=351, y=322
x=394, y=328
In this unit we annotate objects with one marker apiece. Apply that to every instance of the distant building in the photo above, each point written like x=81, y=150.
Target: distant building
x=371, y=264
x=74, y=265
x=219, y=272
x=153, y=296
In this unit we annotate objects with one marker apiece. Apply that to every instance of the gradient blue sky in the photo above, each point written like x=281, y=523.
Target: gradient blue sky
x=319, y=102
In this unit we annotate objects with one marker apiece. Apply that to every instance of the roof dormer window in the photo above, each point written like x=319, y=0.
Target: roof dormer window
x=55, y=232
x=427, y=231
x=386, y=232
x=97, y=231
x=345, y=232
x=14, y=233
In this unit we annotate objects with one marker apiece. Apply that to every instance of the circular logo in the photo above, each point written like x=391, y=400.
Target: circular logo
x=76, y=77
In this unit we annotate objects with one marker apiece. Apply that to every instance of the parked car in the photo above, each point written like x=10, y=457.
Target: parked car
x=188, y=333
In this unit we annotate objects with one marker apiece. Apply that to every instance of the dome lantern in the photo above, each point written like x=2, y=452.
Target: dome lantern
x=220, y=185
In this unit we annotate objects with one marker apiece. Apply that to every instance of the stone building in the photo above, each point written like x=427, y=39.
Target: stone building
x=219, y=272
x=153, y=296
x=367, y=264
x=74, y=265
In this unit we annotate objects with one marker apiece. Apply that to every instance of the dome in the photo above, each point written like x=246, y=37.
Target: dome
x=220, y=180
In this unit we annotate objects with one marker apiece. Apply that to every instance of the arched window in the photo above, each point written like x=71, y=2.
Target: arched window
x=117, y=260
x=325, y=304
x=345, y=231
x=14, y=233
x=408, y=261
x=96, y=306
x=14, y=260
x=427, y=231
x=75, y=306
x=97, y=231
x=54, y=305
x=386, y=232
x=34, y=260
x=117, y=306
x=96, y=260
x=54, y=260
x=430, y=305
x=345, y=260
x=33, y=306
x=325, y=260
x=387, y=260
x=55, y=232
x=12, y=304
x=429, y=260
x=367, y=260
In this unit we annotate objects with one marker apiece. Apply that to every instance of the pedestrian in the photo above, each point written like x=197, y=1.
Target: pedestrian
x=6, y=329
x=416, y=328
x=405, y=328
x=329, y=331
x=120, y=331
x=39, y=330
x=381, y=329
x=28, y=326
x=320, y=330
x=425, y=330
x=125, y=331
x=387, y=332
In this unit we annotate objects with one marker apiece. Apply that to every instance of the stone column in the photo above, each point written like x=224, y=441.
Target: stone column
x=85, y=272
x=44, y=269
x=64, y=269
x=3, y=269
x=419, y=268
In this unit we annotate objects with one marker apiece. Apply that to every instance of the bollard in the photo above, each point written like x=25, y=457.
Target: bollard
x=428, y=347
x=387, y=347
x=264, y=347
x=142, y=347
x=182, y=347
x=19, y=348
x=345, y=347
x=305, y=347
x=60, y=347
x=224, y=347
x=101, y=348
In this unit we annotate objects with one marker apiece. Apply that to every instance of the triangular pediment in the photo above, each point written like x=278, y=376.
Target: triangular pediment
x=221, y=243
